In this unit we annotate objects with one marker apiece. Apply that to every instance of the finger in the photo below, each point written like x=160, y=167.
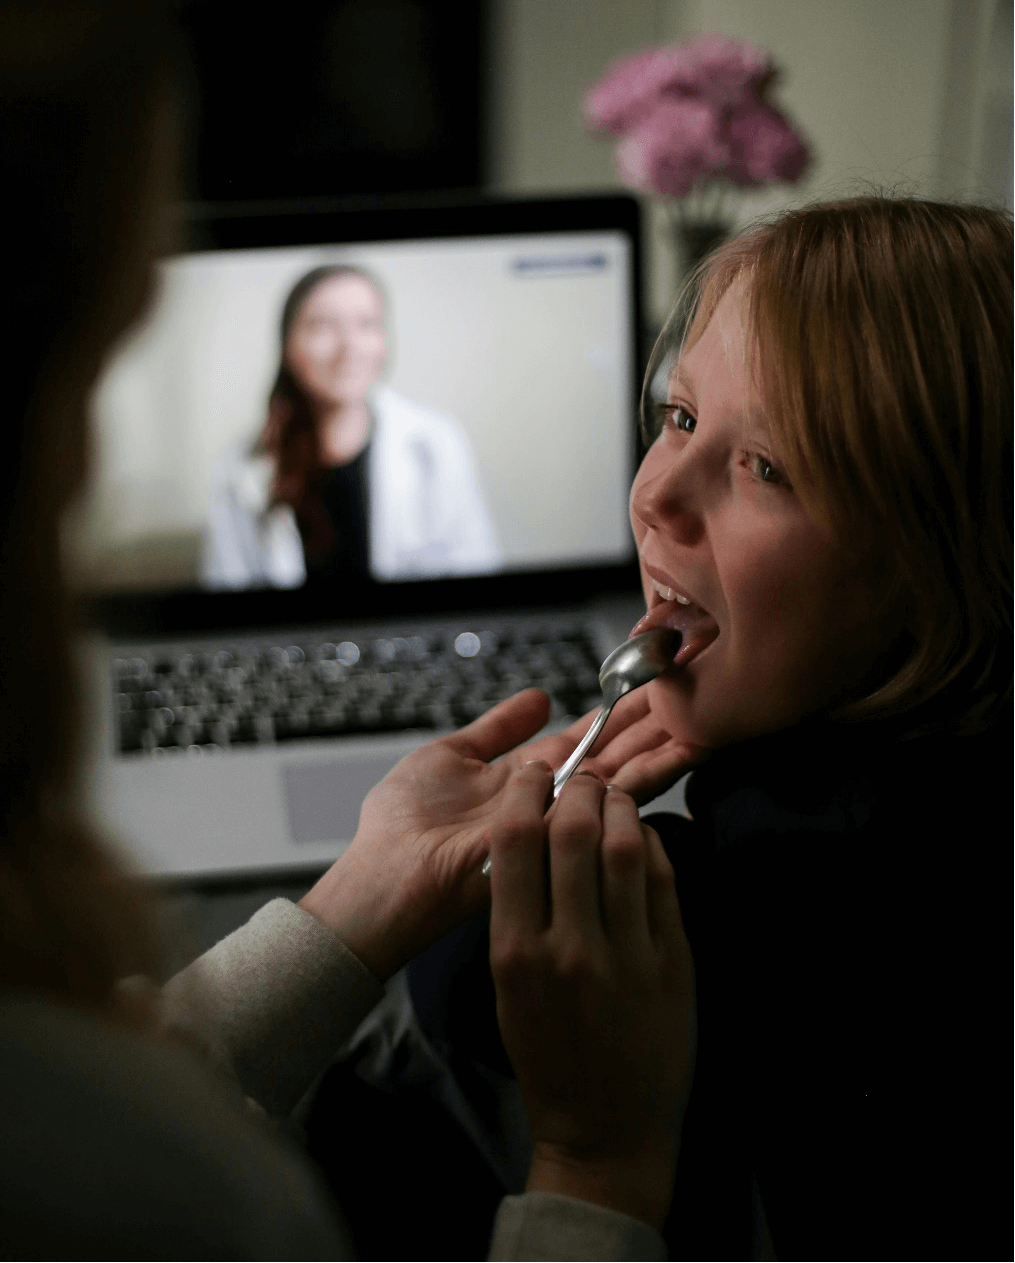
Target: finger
x=554, y=748
x=629, y=709
x=665, y=921
x=647, y=775
x=503, y=727
x=624, y=863
x=518, y=855
x=642, y=735
x=575, y=832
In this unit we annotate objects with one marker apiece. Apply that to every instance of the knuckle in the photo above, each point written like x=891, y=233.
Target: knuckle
x=514, y=829
x=573, y=835
x=575, y=966
x=624, y=851
x=663, y=879
x=512, y=956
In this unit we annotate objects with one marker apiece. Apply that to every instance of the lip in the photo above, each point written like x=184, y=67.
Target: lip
x=696, y=625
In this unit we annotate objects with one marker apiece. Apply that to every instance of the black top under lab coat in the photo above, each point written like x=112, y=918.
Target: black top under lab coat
x=846, y=895
x=344, y=491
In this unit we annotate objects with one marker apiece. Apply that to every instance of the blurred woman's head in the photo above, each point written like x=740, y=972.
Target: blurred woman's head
x=830, y=472
x=334, y=336
x=88, y=148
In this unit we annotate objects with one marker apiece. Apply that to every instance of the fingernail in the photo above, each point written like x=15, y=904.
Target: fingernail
x=539, y=763
x=584, y=771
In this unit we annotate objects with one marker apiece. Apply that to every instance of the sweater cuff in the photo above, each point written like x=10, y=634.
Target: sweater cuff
x=551, y=1226
x=278, y=997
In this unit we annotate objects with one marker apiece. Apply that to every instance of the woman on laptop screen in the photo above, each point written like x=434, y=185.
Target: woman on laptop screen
x=348, y=477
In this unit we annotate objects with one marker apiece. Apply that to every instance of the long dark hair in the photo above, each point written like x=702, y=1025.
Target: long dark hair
x=290, y=432
x=86, y=141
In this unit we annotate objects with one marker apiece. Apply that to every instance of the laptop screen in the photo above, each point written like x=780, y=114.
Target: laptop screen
x=410, y=409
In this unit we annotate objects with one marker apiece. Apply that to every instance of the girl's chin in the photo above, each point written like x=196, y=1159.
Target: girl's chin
x=676, y=709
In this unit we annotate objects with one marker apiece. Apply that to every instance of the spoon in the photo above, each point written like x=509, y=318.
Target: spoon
x=636, y=662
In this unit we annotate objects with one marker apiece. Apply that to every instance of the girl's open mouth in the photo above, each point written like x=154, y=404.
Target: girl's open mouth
x=697, y=627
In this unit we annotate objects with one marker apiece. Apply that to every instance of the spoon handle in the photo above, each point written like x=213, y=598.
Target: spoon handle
x=582, y=748
x=567, y=768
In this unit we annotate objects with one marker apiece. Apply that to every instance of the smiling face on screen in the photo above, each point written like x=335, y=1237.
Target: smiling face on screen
x=338, y=342
x=780, y=618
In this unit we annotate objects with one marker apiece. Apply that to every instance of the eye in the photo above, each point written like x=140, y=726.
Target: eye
x=765, y=471
x=674, y=416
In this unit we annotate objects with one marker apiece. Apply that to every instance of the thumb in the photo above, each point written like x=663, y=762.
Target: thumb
x=505, y=726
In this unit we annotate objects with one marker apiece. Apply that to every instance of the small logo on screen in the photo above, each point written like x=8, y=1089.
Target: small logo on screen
x=558, y=264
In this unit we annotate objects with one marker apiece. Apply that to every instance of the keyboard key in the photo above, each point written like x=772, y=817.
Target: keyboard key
x=226, y=697
x=467, y=644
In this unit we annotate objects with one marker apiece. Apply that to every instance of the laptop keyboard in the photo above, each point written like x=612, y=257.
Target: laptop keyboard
x=202, y=702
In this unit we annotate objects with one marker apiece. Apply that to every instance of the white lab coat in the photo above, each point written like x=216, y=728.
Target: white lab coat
x=427, y=514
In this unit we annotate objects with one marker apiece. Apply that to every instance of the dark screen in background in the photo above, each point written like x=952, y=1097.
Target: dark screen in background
x=321, y=98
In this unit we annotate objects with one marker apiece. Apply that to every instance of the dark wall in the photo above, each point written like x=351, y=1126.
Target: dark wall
x=336, y=97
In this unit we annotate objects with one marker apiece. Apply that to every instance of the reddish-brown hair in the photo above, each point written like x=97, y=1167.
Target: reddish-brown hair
x=881, y=342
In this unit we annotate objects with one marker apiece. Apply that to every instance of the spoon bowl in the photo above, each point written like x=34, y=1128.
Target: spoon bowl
x=636, y=662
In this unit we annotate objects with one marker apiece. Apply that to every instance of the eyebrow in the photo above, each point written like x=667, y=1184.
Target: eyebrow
x=754, y=420
x=681, y=378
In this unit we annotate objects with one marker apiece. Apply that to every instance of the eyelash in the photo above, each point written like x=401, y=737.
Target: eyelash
x=668, y=415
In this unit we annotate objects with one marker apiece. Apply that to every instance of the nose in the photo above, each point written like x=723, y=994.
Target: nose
x=663, y=500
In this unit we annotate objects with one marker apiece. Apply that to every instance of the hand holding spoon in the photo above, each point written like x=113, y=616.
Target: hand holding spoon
x=636, y=662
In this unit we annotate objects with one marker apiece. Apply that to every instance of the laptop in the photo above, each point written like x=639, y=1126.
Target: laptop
x=278, y=629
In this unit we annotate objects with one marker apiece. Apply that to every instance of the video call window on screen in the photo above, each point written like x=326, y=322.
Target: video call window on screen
x=399, y=410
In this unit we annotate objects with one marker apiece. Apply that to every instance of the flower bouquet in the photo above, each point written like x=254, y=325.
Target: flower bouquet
x=696, y=126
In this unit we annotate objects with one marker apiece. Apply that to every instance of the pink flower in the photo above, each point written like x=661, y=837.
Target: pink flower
x=631, y=87
x=673, y=147
x=720, y=69
x=696, y=111
x=763, y=146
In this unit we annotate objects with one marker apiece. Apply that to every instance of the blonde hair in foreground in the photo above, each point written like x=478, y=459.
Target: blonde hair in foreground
x=880, y=338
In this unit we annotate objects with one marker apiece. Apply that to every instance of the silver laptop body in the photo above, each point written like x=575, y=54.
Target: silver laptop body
x=239, y=728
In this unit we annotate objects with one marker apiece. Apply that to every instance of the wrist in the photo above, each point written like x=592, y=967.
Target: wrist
x=639, y=1183
x=357, y=915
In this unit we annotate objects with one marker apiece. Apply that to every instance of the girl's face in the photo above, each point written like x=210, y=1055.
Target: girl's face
x=784, y=620
x=338, y=343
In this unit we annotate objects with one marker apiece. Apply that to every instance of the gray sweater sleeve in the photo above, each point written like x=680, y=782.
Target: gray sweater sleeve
x=551, y=1226
x=273, y=1002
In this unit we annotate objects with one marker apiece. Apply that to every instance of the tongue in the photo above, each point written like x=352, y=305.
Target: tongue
x=697, y=627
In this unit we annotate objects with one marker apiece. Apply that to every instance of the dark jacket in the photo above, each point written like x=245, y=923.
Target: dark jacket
x=846, y=895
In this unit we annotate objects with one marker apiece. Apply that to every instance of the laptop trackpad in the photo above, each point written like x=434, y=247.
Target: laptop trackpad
x=324, y=798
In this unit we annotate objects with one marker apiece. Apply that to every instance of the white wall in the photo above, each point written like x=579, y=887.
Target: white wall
x=910, y=95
